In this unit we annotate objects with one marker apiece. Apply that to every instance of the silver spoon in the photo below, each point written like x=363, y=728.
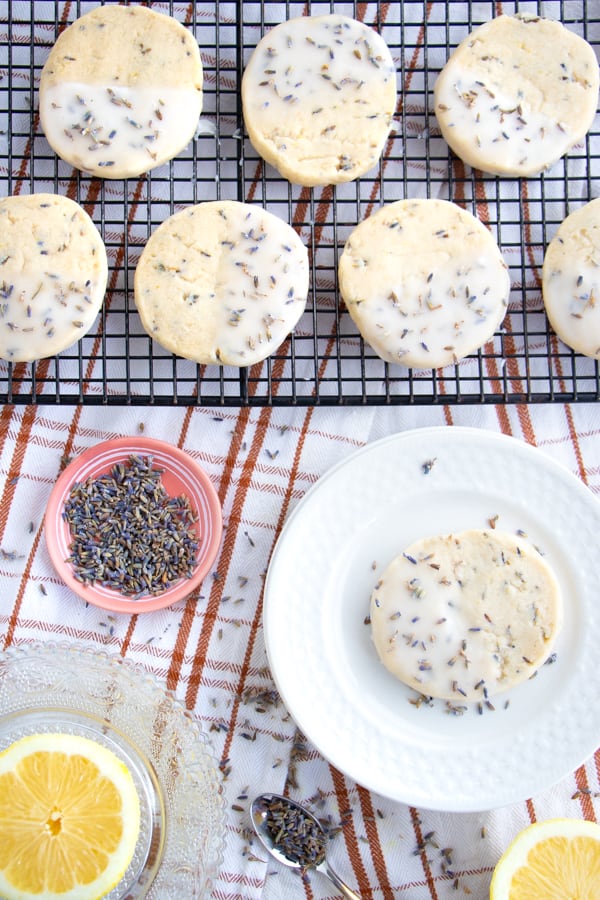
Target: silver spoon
x=294, y=837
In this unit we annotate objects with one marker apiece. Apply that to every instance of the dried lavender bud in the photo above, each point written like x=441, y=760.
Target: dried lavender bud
x=294, y=833
x=128, y=533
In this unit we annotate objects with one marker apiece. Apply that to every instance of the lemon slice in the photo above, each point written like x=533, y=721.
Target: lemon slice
x=69, y=818
x=558, y=859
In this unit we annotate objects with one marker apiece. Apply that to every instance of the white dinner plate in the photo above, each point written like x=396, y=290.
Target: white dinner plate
x=333, y=548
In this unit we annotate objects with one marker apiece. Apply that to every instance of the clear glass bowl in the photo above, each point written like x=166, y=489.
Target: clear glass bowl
x=54, y=687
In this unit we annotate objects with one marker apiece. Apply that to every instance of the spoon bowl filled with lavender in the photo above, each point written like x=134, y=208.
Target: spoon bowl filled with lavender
x=294, y=837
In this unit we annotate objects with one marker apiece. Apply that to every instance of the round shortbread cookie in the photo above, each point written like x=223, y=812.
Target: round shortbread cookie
x=222, y=282
x=571, y=280
x=121, y=91
x=319, y=94
x=53, y=275
x=517, y=94
x=424, y=282
x=465, y=616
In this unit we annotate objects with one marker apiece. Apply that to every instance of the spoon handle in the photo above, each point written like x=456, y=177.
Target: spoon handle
x=337, y=881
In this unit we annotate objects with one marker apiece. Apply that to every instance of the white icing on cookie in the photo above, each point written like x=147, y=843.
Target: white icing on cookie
x=517, y=94
x=116, y=131
x=571, y=280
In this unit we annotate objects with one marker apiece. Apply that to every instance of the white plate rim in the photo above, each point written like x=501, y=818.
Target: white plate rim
x=535, y=762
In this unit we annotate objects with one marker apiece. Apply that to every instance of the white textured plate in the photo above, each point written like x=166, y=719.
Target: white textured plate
x=333, y=547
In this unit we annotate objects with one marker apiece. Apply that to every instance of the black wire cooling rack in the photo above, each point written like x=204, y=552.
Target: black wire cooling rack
x=324, y=362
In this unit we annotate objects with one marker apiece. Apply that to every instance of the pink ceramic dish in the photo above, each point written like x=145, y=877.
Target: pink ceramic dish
x=181, y=476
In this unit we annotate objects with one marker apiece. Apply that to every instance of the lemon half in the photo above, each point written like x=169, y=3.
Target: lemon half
x=557, y=859
x=69, y=818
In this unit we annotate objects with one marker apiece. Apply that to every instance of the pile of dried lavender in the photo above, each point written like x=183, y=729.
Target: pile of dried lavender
x=294, y=834
x=128, y=533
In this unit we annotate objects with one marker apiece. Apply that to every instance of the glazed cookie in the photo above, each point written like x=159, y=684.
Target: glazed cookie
x=318, y=94
x=465, y=616
x=571, y=280
x=424, y=282
x=121, y=91
x=517, y=94
x=53, y=274
x=222, y=282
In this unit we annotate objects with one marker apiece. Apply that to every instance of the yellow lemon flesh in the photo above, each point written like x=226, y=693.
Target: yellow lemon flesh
x=69, y=818
x=558, y=859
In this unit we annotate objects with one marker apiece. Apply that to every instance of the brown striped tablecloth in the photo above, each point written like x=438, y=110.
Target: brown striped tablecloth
x=209, y=649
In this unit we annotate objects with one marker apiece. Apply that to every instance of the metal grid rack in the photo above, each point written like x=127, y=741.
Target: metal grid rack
x=324, y=362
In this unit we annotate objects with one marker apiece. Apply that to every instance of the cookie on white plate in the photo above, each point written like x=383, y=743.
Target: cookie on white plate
x=222, y=282
x=53, y=275
x=571, y=280
x=465, y=616
x=517, y=94
x=319, y=94
x=121, y=91
x=424, y=281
